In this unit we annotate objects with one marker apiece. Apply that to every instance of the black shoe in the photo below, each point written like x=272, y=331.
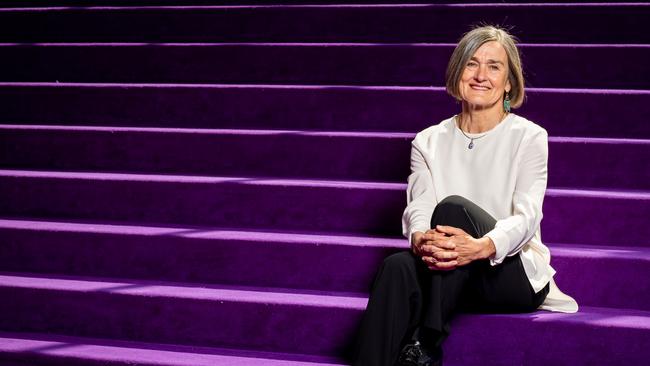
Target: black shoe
x=414, y=354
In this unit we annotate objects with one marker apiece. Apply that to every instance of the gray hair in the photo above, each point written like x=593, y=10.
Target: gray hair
x=466, y=48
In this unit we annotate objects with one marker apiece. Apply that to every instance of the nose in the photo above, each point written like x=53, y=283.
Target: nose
x=480, y=73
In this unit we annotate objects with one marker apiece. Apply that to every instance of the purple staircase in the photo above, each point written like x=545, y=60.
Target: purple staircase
x=217, y=185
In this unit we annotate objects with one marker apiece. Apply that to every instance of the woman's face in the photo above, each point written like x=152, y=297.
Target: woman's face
x=485, y=77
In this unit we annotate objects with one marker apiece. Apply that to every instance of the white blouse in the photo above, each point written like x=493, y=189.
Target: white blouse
x=505, y=173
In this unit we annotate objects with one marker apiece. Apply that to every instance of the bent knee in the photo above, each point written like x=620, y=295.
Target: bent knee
x=454, y=201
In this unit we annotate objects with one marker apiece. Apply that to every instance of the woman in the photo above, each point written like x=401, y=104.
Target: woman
x=474, y=209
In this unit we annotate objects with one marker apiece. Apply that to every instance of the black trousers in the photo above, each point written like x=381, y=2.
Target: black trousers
x=407, y=295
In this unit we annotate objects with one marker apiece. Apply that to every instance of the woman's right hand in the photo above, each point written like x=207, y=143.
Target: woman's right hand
x=435, y=249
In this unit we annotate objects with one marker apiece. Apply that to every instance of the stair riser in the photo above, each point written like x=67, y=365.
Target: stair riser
x=250, y=205
x=300, y=265
x=290, y=154
x=433, y=23
x=315, y=64
x=604, y=281
x=176, y=258
x=317, y=108
x=243, y=204
x=596, y=165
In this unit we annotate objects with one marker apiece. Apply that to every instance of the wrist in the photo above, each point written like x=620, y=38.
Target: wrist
x=488, y=248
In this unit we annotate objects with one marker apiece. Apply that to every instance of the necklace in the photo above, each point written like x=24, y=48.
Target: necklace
x=471, y=139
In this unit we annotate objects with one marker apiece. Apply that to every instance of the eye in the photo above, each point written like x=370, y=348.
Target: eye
x=494, y=67
x=472, y=64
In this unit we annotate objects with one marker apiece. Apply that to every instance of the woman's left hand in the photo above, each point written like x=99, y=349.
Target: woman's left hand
x=468, y=248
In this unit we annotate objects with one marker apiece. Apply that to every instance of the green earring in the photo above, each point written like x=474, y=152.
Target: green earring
x=506, y=103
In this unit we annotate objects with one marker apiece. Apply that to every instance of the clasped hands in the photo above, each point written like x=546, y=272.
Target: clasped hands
x=447, y=247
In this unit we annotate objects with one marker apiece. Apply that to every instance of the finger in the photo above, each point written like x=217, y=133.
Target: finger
x=445, y=255
x=430, y=236
x=433, y=234
x=429, y=261
x=445, y=243
x=450, y=230
x=430, y=249
x=427, y=241
x=438, y=235
x=462, y=262
x=444, y=266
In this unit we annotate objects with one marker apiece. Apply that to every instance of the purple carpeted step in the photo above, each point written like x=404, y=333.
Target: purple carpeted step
x=244, y=202
x=195, y=254
x=570, y=216
x=563, y=112
x=272, y=153
x=366, y=156
x=280, y=259
x=282, y=322
x=606, y=276
x=599, y=163
x=232, y=317
x=575, y=23
x=609, y=66
x=595, y=217
x=49, y=3
x=46, y=350
x=593, y=336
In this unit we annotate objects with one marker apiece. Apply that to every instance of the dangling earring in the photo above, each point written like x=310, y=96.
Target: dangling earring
x=506, y=103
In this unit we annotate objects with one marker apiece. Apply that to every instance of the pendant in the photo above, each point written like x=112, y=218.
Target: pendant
x=471, y=144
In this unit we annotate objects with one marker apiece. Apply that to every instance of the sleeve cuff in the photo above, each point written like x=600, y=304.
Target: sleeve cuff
x=410, y=233
x=500, y=240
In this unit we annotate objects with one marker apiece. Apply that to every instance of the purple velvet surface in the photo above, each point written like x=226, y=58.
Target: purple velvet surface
x=422, y=23
x=563, y=112
x=258, y=246
x=22, y=348
x=573, y=162
x=322, y=206
x=31, y=3
x=594, y=336
x=202, y=316
x=329, y=63
x=149, y=312
x=281, y=260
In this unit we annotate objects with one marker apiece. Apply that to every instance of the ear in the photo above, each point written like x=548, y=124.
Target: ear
x=508, y=87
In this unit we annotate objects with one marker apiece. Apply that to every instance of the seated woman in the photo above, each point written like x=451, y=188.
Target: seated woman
x=473, y=217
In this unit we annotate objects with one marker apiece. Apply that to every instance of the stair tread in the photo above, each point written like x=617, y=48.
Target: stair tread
x=274, y=132
x=184, y=291
x=303, y=86
x=131, y=352
x=270, y=237
x=599, y=251
x=315, y=6
x=306, y=44
x=215, y=131
x=199, y=232
x=263, y=181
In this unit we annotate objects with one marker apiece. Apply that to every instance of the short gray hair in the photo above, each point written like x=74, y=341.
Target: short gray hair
x=466, y=48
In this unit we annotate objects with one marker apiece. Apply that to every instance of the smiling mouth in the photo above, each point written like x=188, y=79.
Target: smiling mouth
x=478, y=87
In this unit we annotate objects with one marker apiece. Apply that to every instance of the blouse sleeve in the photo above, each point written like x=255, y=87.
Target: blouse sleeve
x=511, y=233
x=420, y=195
